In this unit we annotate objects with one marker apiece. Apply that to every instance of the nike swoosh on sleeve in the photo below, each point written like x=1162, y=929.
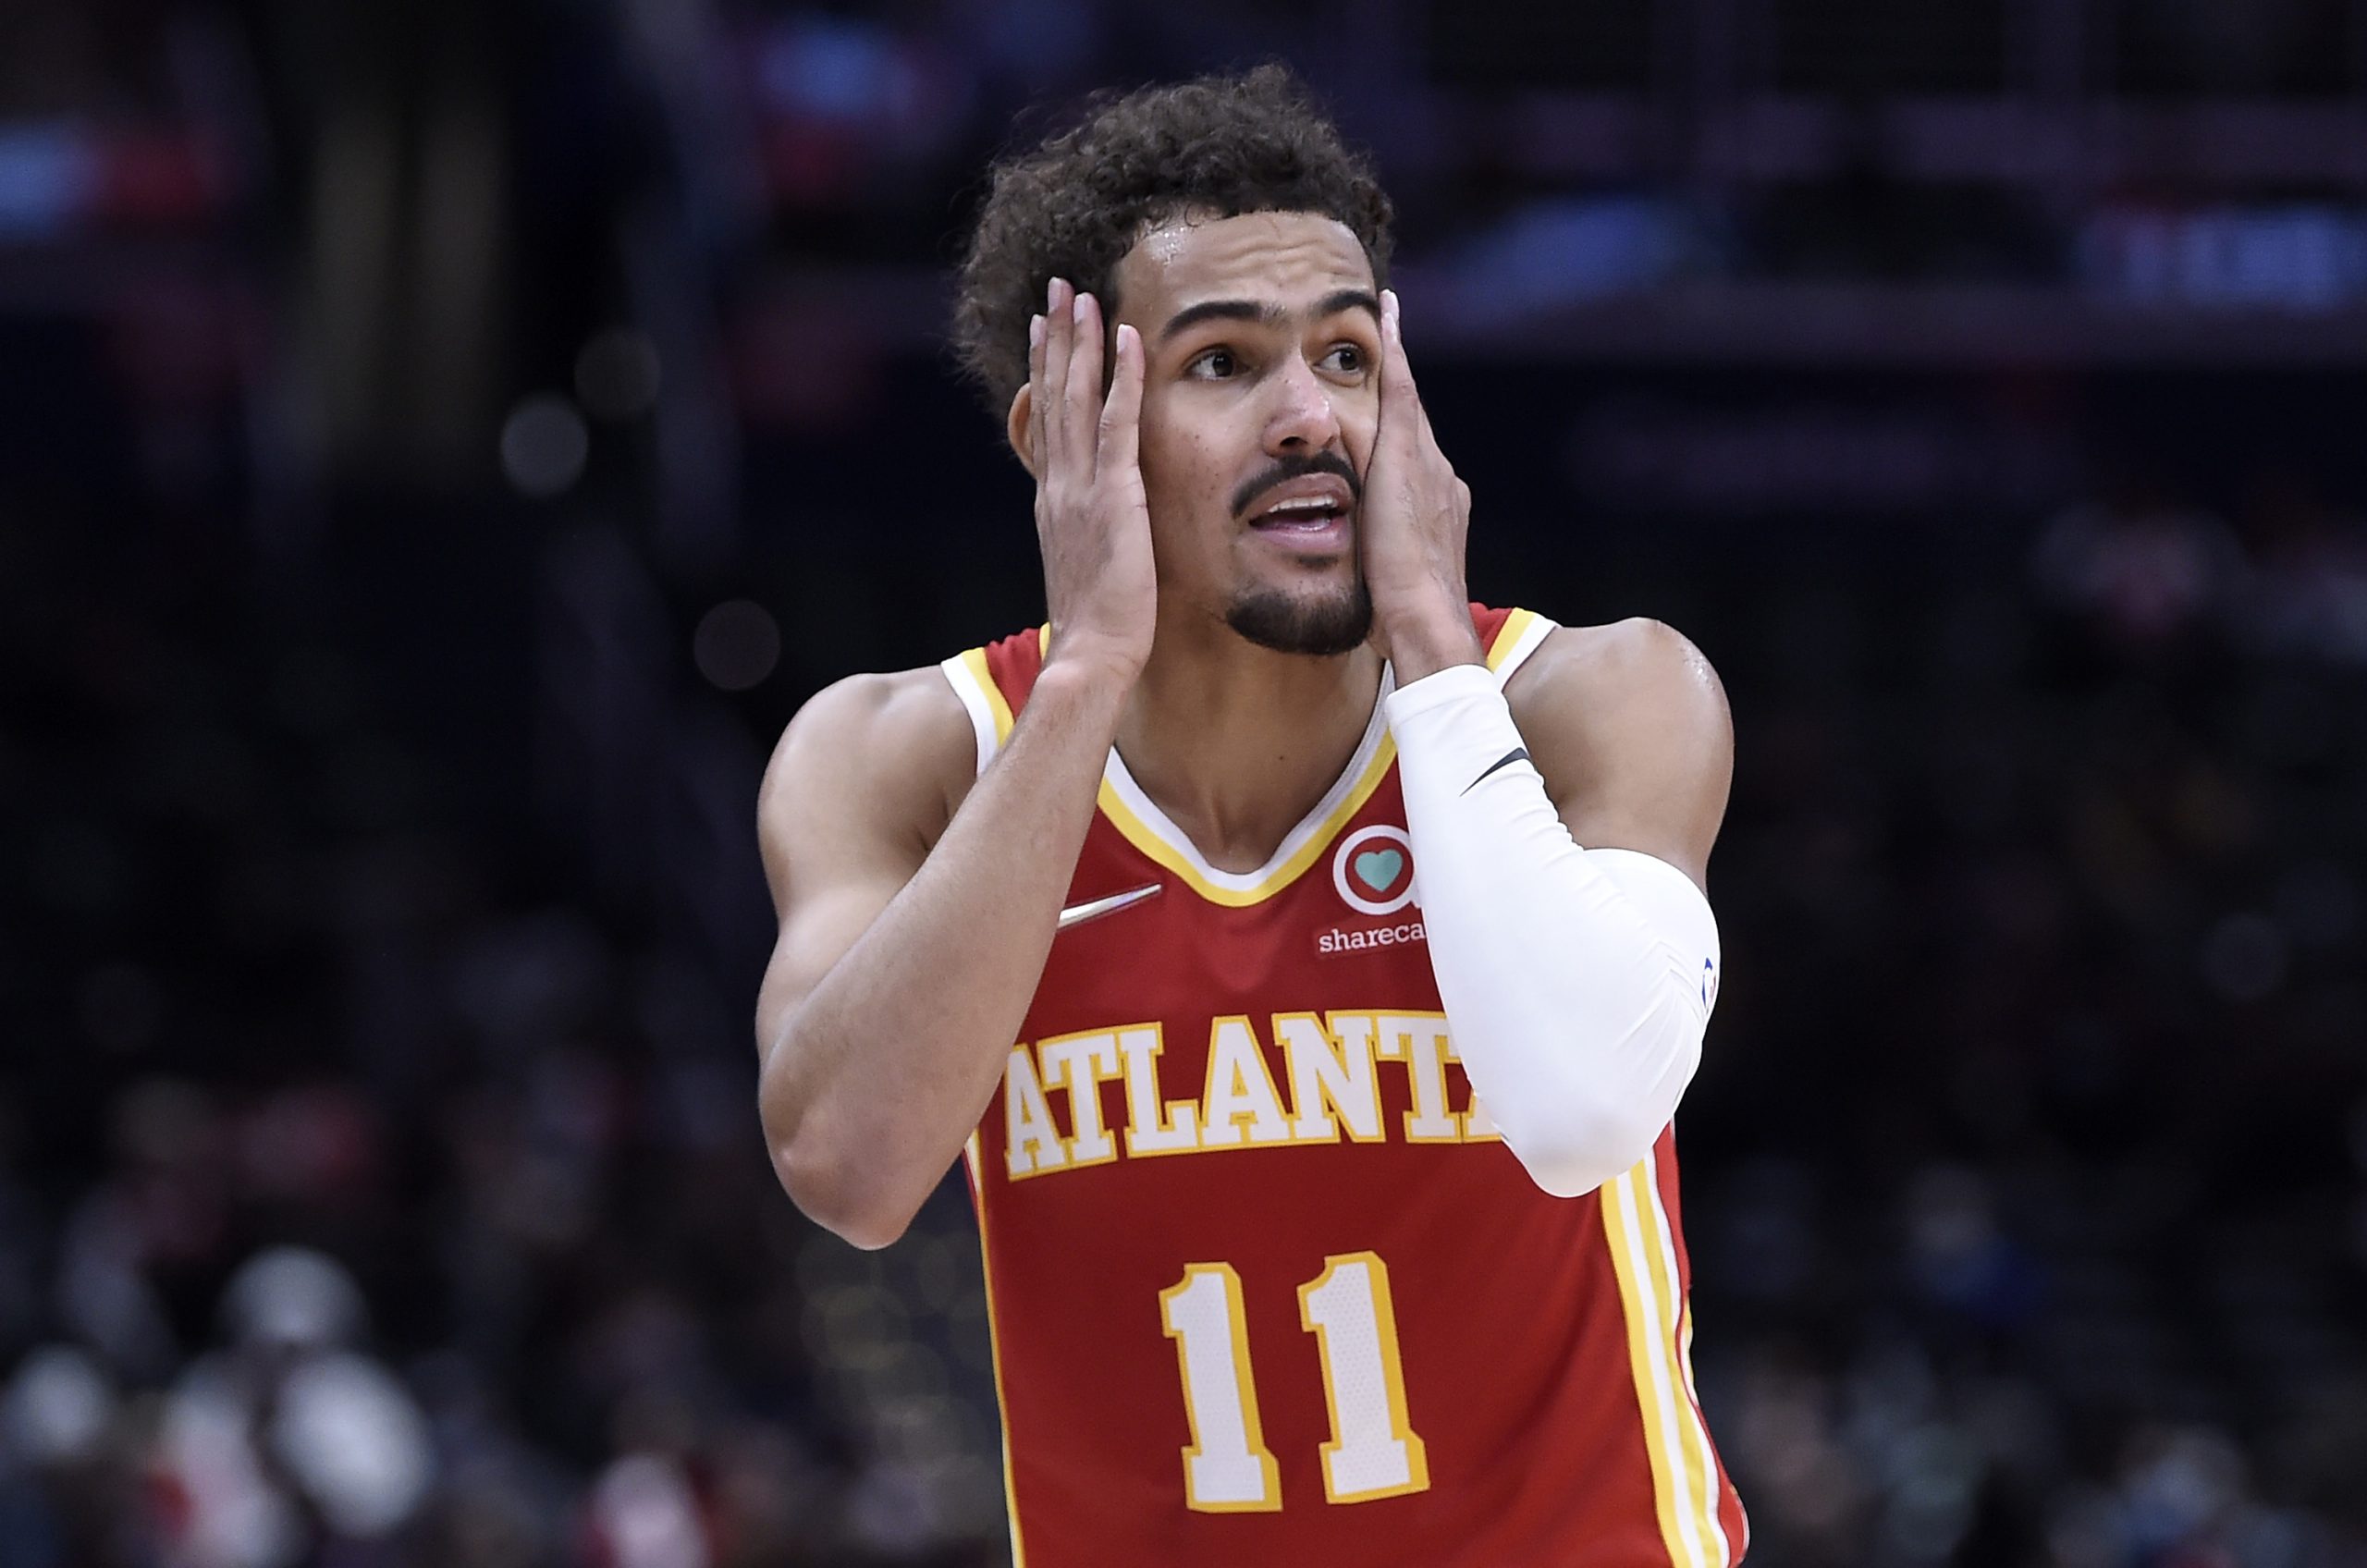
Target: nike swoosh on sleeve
x=1094, y=909
x=1518, y=753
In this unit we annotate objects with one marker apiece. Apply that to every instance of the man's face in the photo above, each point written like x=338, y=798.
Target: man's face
x=1261, y=338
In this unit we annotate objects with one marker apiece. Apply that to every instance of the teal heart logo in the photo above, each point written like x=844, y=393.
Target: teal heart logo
x=1378, y=868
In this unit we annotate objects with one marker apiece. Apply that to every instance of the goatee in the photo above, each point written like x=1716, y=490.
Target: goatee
x=1288, y=623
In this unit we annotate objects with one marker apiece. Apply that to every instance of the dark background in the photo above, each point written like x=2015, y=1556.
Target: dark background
x=441, y=444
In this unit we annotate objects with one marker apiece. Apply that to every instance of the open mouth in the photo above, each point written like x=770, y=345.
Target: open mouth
x=1307, y=511
x=1308, y=515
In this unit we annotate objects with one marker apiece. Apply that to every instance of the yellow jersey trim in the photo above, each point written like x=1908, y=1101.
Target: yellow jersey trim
x=1515, y=639
x=970, y=1153
x=1169, y=857
x=1684, y=1477
x=975, y=661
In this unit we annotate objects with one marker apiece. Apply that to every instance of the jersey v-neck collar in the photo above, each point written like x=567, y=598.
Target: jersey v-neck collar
x=1139, y=819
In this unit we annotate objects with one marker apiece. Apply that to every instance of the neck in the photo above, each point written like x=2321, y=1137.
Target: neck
x=1236, y=743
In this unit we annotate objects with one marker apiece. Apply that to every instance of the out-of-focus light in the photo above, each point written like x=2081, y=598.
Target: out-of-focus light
x=617, y=374
x=544, y=444
x=293, y=1297
x=353, y=1436
x=646, y=1515
x=1559, y=250
x=57, y=1407
x=737, y=645
x=48, y=174
x=205, y=1450
x=832, y=70
x=2301, y=257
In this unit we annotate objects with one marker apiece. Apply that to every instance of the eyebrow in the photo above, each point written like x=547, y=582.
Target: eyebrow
x=1331, y=304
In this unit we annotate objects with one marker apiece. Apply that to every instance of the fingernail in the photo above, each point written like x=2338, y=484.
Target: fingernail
x=1035, y=332
x=1051, y=295
x=1076, y=307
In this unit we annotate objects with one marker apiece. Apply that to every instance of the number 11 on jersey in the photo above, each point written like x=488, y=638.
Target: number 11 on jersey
x=1373, y=1451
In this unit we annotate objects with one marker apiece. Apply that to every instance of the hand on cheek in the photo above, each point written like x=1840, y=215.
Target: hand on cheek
x=1092, y=516
x=1415, y=517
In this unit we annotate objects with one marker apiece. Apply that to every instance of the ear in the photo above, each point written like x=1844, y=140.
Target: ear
x=1014, y=429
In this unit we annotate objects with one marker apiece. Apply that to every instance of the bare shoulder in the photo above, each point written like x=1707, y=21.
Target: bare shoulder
x=1629, y=725
x=893, y=752
x=1603, y=670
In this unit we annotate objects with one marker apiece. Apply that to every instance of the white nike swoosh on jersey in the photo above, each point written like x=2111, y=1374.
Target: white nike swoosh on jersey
x=1094, y=909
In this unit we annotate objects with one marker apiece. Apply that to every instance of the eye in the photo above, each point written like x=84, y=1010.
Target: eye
x=1346, y=359
x=1212, y=365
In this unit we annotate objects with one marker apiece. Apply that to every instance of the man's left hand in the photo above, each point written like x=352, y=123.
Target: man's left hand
x=1415, y=515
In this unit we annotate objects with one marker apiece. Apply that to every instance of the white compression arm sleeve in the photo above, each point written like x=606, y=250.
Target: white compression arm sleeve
x=1577, y=983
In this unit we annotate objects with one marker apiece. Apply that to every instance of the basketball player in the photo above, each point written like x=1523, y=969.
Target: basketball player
x=1308, y=961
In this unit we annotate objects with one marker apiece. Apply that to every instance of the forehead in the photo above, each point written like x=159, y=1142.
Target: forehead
x=1288, y=258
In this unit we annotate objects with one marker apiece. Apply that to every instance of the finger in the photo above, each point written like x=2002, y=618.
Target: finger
x=1400, y=404
x=1059, y=331
x=1035, y=390
x=1406, y=395
x=1122, y=411
x=1084, y=407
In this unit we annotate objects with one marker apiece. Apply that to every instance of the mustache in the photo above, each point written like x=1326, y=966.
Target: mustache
x=1290, y=468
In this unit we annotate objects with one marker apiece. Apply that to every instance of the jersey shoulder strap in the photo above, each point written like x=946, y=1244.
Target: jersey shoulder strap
x=1509, y=636
x=993, y=683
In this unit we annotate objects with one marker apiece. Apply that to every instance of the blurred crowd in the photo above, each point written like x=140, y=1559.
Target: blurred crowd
x=363, y=1199
x=433, y=462
x=2045, y=1231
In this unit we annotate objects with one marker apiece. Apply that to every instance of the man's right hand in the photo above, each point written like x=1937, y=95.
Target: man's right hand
x=1092, y=519
x=913, y=929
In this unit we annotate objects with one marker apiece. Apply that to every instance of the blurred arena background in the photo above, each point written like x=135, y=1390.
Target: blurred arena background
x=441, y=443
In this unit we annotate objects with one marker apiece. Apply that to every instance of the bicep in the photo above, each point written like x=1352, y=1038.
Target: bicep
x=845, y=820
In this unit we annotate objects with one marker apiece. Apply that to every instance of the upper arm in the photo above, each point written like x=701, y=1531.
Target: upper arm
x=1629, y=727
x=862, y=784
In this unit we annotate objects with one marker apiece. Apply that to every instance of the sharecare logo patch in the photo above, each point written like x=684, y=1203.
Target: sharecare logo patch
x=1345, y=939
x=1373, y=869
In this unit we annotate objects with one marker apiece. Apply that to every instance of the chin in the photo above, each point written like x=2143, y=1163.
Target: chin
x=1324, y=622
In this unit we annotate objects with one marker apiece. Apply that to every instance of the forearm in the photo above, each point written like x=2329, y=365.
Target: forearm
x=871, y=1085
x=1577, y=984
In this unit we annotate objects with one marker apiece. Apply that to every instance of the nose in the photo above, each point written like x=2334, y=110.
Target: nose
x=1302, y=418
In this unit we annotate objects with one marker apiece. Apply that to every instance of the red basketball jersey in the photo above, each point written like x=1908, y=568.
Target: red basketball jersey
x=1266, y=1286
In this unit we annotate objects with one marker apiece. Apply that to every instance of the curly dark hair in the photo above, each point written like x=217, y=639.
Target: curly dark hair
x=1074, y=206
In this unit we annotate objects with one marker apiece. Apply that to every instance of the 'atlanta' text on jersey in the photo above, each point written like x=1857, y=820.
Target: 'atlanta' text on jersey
x=1331, y=1064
